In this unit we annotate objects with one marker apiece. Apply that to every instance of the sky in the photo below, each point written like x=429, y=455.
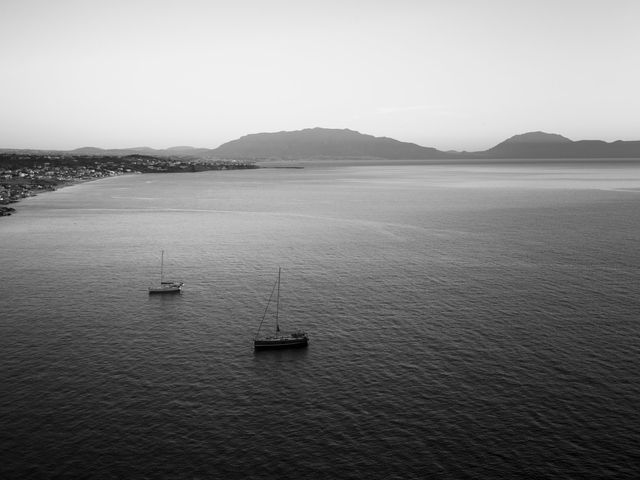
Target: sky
x=449, y=74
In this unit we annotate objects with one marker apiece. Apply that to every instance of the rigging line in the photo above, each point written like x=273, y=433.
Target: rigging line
x=266, y=308
x=278, y=303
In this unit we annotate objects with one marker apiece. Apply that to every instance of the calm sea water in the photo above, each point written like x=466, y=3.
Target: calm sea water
x=466, y=321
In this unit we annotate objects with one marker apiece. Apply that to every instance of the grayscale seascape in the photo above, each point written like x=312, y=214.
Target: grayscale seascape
x=319, y=239
x=466, y=320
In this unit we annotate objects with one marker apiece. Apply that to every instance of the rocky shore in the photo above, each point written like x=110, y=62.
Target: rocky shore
x=6, y=211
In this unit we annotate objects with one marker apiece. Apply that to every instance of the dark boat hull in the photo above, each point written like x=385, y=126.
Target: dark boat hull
x=167, y=287
x=277, y=344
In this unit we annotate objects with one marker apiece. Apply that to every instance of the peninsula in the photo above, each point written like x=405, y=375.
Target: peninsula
x=26, y=173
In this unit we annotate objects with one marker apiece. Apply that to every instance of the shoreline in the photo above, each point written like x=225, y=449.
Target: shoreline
x=17, y=189
x=27, y=175
x=6, y=211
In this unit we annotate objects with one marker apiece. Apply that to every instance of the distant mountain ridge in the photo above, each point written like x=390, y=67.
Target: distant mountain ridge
x=550, y=145
x=171, y=151
x=323, y=142
x=345, y=143
x=181, y=151
x=537, y=137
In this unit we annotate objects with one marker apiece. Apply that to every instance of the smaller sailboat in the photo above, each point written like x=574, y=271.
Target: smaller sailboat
x=278, y=339
x=165, y=286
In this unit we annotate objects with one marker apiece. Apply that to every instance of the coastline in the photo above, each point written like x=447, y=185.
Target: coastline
x=6, y=211
x=24, y=176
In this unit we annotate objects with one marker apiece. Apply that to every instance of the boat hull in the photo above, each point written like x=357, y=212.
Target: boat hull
x=280, y=343
x=165, y=289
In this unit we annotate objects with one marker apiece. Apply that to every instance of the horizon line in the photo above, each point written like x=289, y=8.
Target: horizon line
x=293, y=131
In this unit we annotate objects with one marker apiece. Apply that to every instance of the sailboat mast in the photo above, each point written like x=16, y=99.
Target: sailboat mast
x=278, y=303
x=162, y=268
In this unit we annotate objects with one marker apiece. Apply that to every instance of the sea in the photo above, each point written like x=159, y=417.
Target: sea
x=467, y=320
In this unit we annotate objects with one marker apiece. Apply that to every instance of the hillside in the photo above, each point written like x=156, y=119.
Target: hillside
x=549, y=145
x=323, y=142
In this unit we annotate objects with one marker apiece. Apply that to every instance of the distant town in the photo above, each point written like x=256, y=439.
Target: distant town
x=25, y=175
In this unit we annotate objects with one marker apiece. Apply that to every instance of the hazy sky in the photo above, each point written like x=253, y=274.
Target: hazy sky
x=450, y=74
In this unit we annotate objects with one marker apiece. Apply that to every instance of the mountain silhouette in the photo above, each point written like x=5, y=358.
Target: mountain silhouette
x=551, y=145
x=344, y=143
x=324, y=142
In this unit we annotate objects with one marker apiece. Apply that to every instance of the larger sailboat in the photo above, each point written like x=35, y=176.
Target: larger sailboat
x=165, y=286
x=278, y=339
